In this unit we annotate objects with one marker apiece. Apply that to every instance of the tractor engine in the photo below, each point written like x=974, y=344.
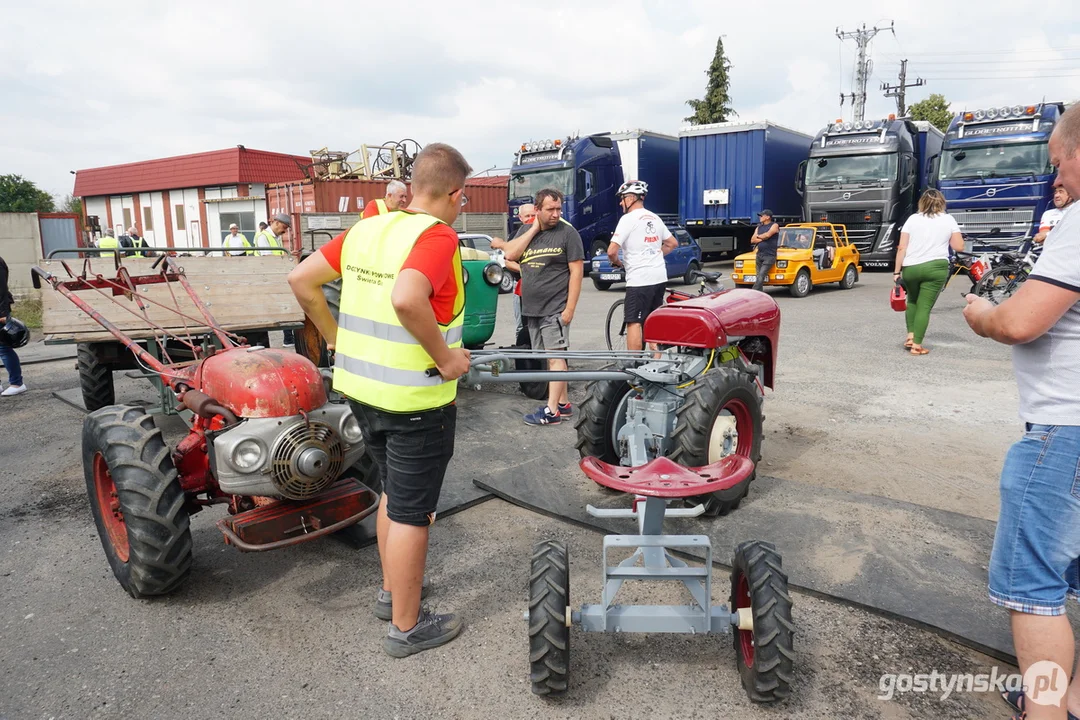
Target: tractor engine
x=292, y=442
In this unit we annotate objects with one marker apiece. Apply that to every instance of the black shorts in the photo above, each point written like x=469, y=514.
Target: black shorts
x=640, y=301
x=411, y=451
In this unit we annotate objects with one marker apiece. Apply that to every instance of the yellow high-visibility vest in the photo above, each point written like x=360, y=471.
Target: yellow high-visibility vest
x=271, y=240
x=381, y=205
x=378, y=362
x=108, y=242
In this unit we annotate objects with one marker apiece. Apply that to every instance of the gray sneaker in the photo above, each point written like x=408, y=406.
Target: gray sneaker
x=384, y=605
x=430, y=632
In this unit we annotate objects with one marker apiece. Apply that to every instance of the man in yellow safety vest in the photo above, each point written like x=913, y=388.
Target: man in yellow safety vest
x=398, y=343
x=108, y=241
x=270, y=239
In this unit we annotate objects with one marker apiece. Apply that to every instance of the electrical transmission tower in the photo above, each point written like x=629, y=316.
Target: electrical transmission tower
x=864, y=65
x=898, y=91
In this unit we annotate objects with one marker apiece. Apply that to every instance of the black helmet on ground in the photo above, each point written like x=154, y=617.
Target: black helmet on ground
x=14, y=333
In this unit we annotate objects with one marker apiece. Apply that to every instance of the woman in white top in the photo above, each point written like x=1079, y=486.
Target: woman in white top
x=923, y=262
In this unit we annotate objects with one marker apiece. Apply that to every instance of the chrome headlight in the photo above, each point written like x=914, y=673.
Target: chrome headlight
x=1017, y=110
x=781, y=264
x=979, y=114
x=350, y=430
x=248, y=455
x=493, y=274
x=464, y=275
x=738, y=263
x=847, y=126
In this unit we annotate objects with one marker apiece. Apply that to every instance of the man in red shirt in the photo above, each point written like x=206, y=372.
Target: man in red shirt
x=411, y=447
x=396, y=193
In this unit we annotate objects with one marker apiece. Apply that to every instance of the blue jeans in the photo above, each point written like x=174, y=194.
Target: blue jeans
x=1034, y=564
x=11, y=362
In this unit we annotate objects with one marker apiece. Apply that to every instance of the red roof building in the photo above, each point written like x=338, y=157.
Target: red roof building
x=188, y=200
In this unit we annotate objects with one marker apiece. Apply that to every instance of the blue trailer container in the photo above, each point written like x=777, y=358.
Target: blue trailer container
x=728, y=172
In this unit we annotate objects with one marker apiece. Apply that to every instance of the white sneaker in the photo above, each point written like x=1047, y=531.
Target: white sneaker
x=14, y=390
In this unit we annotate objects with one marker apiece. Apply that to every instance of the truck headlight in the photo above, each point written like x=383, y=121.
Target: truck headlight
x=493, y=274
x=738, y=263
x=248, y=455
x=350, y=430
x=781, y=264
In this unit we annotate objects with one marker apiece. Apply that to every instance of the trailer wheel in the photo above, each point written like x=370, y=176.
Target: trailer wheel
x=549, y=619
x=689, y=278
x=136, y=499
x=802, y=285
x=602, y=415
x=851, y=276
x=534, y=390
x=765, y=656
x=721, y=415
x=95, y=379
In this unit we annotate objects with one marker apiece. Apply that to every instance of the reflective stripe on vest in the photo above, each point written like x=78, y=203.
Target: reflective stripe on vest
x=380, y=204
x=378, y=362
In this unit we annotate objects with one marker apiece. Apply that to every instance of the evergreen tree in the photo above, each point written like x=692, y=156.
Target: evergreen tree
x=716, y=105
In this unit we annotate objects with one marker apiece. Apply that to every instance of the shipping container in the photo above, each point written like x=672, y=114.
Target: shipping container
x=728, y=172
x=335, y=197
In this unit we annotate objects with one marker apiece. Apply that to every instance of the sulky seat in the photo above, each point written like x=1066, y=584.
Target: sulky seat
x=664, y=478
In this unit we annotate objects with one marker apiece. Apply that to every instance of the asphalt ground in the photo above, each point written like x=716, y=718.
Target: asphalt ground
x=290, y=633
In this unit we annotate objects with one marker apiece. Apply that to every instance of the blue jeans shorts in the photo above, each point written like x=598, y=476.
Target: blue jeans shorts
x=1034, y=564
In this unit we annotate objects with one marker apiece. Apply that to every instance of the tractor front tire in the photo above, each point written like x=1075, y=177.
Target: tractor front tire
x=95, y=379
x=534, y=390
x=136, y=499
x=765, y=656
x=721, y=400
x=549, y=626
x=599, y=419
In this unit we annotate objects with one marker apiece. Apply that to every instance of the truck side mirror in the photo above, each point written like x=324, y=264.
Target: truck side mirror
x=932, y=170
x=800, y=178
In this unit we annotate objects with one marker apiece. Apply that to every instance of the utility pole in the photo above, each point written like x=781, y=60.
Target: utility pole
x=864, y=65
x=897, y=91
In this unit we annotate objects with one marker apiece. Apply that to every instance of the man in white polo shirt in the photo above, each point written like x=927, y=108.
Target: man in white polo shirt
x=644, y=240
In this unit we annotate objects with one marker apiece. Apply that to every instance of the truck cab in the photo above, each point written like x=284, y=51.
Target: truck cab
x=868, y=176
x=588, y=171
x=995, y=173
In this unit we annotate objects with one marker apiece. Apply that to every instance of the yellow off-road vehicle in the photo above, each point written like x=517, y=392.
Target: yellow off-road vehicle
x=808, y=254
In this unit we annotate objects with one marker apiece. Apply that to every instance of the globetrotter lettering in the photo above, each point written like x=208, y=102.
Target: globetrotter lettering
x=371, y=277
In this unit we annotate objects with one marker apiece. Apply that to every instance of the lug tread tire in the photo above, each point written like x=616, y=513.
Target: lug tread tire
x=95, y=379
x=770, y=678
x=694, y=422
x=693, y=267
x=549, y=633
x=150, y=496
x=594, y=420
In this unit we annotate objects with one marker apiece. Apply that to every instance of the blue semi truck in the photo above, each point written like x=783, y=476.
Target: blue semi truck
x=588, y=171
x=995, y=172
x=728, y=172
x=868, y=176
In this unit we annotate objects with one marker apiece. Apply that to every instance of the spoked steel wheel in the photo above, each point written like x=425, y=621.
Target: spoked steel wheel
x=1000, y=284
x=615, y=329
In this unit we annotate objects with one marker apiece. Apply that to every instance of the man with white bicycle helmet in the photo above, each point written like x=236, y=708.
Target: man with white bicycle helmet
x=644, y=240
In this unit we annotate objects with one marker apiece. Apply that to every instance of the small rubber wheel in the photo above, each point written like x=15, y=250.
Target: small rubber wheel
x=802, y=285
x=95, y=379
x=535, y=390
x=851, y=276
x=601, y=285
x=765, y=656
x=693, y=267
x=549, y=619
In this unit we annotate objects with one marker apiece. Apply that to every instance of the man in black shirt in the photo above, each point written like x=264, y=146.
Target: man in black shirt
x=764, y=241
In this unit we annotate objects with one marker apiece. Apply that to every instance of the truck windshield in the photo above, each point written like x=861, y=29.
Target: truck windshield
x=852, y=169
x=525, y=185
x=994, y=161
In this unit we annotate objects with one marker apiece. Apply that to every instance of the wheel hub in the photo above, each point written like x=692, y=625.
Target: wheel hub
x=112, y=514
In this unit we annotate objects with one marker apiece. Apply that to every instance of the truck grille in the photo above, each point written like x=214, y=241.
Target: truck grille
x=861, y=232
x=1008, y=227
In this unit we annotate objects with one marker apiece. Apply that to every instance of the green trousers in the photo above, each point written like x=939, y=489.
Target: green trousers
x=924, y=282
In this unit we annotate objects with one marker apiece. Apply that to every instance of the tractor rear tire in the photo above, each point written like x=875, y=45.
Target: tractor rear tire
x=95, y=379
x=717, y=391
x=534, y=390
x=598, y=423
x=765, y=656
x=549, y=627
x=137, y=502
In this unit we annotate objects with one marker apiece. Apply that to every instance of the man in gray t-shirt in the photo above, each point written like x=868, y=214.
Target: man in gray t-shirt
x=552, y=266
x=1035, y=563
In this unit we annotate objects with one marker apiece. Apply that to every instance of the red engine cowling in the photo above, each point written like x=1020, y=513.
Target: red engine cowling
x=261, y=382
x=708, y=321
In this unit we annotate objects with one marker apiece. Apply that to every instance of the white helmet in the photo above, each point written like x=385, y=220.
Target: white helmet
x=634, y=187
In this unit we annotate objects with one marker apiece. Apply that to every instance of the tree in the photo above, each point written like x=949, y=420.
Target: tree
x=934, y=109
x=71, y=204
x=716, y=105
x=19, y=195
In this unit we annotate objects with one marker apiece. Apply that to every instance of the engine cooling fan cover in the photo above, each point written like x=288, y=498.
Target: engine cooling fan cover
x=306, y=460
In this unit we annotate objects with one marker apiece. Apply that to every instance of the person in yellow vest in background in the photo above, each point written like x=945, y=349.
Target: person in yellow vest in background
x=138, y=242
x=396, y=194
x=398, y=357
x=108, y=241
x=270, y=239
x=236, y=243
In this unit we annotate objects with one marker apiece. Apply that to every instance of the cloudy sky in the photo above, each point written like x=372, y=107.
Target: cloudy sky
x=86, y=84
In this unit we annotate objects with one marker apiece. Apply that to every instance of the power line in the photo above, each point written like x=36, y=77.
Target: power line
x=1044, y=61
x=987, y=52
x=1003, y=77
